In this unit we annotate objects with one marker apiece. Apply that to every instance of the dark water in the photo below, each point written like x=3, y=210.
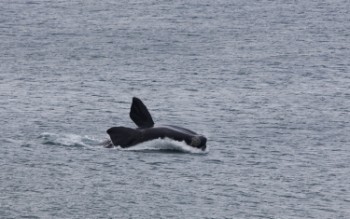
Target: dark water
x=267, y=82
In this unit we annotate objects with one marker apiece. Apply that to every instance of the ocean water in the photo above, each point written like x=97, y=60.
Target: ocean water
x=268, y=83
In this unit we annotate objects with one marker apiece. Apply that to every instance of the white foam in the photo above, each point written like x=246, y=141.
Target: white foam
x=164, y=144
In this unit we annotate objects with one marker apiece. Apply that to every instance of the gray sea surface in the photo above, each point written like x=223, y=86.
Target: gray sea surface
x=268, y=83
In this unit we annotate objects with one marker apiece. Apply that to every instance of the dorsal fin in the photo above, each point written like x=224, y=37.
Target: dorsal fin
x=140, y=115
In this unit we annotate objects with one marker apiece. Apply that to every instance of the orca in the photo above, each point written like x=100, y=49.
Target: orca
x=147, y=131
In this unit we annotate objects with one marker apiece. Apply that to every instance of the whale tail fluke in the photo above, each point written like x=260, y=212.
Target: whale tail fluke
x=124, y=137
x=140, y=114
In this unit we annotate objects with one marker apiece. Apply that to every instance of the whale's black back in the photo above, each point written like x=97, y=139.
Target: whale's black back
x=123, y=136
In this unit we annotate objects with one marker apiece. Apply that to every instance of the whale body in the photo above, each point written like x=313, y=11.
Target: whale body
x=127, y=137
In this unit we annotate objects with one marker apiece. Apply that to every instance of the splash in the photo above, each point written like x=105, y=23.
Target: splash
x=160, y=145
x=70, y=140
x=165, y=145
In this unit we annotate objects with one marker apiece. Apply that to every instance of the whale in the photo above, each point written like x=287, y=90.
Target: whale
x=146, y=130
